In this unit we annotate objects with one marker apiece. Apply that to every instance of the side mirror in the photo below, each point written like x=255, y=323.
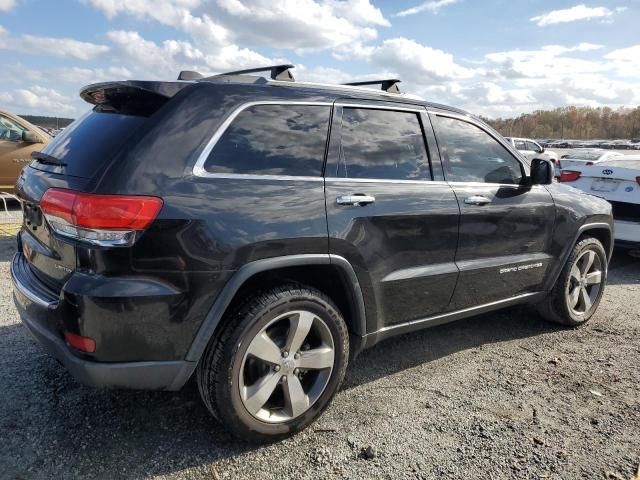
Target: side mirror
x=30, y=137
x=542, y=149
x=542, y=171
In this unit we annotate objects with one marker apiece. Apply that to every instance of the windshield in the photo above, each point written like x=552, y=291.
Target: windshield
x=91, y=140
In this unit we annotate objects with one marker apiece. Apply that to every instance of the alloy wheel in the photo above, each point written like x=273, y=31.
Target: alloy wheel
x=585, y=282
x=286, y=367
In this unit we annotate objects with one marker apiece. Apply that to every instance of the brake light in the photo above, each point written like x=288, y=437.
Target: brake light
x=569, y=176
x=79, y=342
x=99, y=219
x=638, y=180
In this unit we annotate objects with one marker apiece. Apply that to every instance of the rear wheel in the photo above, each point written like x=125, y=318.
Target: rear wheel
x=276, y=365
x=577, y=292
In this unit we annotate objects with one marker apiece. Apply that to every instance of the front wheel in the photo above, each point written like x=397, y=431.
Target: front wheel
x=577, y=293
x=276, y=364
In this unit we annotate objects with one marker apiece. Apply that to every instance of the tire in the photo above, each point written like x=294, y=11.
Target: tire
x=247, y=362
x=577, y=293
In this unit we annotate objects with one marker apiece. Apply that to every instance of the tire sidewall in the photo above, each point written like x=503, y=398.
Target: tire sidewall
x=229, y=400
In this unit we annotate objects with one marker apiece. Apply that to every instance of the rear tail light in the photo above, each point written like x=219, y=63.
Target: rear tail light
x=99, y=219
x=79, y=342
x=569, y=176
x=638, y=180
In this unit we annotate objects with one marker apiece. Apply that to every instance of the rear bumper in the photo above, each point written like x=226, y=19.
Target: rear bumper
x=36, y=312
x=627, y=233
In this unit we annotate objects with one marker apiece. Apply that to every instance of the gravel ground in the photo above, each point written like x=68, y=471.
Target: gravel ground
x=504, y=395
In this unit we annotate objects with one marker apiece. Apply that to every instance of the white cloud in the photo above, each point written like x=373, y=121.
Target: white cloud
x=573, y=14
x=432, y=6
x=416, y=62
x=56, y=47
x=302, y=24
x=6, y=5
x=549, y=60
x=162, y=61
x=37, y=99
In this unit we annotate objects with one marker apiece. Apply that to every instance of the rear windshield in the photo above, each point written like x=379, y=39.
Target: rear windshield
x=90, y=141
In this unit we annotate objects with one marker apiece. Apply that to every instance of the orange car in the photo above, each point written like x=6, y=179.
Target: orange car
x=18, y=138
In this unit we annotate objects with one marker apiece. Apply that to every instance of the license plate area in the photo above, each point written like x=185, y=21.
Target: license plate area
x=604, y=185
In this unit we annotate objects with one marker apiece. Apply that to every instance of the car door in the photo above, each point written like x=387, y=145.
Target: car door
x=12, y=151
x=506, y=224
x=387, y=214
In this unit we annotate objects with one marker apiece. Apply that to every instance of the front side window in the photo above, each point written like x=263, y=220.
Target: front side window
x=534, y=147
x=10, y=130
x=520, y=145
x=273, y=140
x=470, y=154
x=382, y=144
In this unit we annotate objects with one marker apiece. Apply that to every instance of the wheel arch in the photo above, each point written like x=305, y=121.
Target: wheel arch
x=292, y=268
x=600, y=230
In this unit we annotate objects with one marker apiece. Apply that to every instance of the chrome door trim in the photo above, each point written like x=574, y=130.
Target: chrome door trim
x=469, y=310
x=198, y=168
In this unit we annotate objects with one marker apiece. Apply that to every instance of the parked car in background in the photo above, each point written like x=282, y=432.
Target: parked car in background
x=280, y=229
x=18, y=138
x=617, y=180
x=586, y=156
x=532, y=149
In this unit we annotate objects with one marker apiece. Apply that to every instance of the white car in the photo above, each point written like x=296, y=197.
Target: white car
x=532, y=149
x=616, y=180
x=586, y=156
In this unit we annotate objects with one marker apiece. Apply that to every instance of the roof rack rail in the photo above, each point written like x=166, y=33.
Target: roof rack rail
x=190, y=75
x=389, y=85
x=278, y=72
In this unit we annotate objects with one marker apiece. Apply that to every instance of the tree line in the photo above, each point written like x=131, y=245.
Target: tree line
x=48, y=122
x=579, y=123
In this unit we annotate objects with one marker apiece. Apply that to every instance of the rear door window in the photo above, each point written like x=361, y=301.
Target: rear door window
x=91, y=140
x=382, y=144
x=273, y=140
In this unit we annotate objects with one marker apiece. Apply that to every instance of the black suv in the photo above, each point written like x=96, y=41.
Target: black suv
x=257, y=233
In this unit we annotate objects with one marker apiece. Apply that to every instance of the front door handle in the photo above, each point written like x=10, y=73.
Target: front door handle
x=357, y=200
x=477, y=200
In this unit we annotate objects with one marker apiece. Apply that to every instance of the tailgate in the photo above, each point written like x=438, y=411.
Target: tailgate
x=50, y=259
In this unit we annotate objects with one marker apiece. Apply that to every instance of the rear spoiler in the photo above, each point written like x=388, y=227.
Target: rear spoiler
x=137, y=97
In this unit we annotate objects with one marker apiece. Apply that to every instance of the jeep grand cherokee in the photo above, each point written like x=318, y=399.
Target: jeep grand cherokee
x=257, y=233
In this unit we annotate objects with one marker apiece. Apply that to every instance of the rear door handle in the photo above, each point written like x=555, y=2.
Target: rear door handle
x=477, y=200
x=357, y=200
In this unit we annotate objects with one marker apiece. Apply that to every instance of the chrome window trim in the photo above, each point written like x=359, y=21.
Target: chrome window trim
x=372, y=106
x=198, y=168
x=383, y=180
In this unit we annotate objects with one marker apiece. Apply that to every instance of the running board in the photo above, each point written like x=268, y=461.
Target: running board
x=393, y=330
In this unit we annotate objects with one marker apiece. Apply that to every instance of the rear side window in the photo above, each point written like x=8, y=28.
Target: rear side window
x=273, y=140
x=382, y=144
x=470, y=154
x=92, y=140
